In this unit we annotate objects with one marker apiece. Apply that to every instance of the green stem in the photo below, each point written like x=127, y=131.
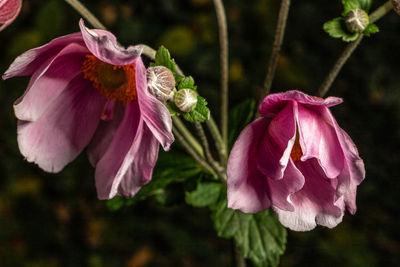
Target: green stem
x=188, y=136
x=78, y=6
x=348, y=51
x=219, y=143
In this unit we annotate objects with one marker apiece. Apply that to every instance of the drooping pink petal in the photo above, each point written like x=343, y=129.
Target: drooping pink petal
x=272, y=103
x=277, y=143
x=49, y=82
x=246, y=185
x=64, y=129
x=9, y=10
x=316, y=203
x=154, y=112
x=318, y=139
x=104, y=46
x=108, y=168
x=28, y=63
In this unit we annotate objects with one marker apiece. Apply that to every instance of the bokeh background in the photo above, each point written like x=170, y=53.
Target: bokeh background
x=56, y=219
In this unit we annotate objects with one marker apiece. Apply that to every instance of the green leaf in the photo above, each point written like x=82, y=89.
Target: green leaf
x=371, y=29
x=260, y=236
x=163, y=58
x=173, y=109
x=349, y=5
x=187, y=83
x=206, y=194
x=239, y=117
x=200, y=113
x=335, y=29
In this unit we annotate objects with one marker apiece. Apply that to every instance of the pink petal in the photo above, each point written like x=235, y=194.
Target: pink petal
x=318, y=139
x=247, y=187
x=277, y=143
x=64, y=129
x=154, y=112
x=316, y=203
x=9, y=10
x=30, y=61
x=49, y=81
x=103, y=45
x=272, y=103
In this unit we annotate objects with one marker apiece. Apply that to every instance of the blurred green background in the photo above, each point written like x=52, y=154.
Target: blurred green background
x=56, y=219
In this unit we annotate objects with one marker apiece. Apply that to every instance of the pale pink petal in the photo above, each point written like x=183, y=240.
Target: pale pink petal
x=316, y=203
x=154, y=112
x=31, y=60
x=104, y=46
x=318, y=139
x=272, y=103
x=64, y=129
x=48, y=83
x=277, y=143
x=9, y=10
x=247, y=187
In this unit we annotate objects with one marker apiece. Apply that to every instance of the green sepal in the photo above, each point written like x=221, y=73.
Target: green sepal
x=349, y=5
x=370, y=29
x=173, y=109
x=335, y=29
x=200, y=113
x=163, y=58
x=187, y=83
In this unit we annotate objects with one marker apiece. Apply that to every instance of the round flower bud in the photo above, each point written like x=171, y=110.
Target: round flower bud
x=356, y=20
x=161, y=83
x=185, y=100
x=396, y=6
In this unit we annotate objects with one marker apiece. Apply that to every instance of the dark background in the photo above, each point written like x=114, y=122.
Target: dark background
x=56, y=219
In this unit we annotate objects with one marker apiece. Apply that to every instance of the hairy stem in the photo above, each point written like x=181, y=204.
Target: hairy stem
x=223, y=40
x=78, y=6
x=348, y=51
x=219, y=143
x=188, y=136
x=276, y=47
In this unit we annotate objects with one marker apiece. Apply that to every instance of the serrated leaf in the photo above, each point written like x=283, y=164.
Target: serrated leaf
x=200, y=113
x=260, y=237
x=335, y=29
x=371, y=29
x=163, y=58
x=349, y=5
x=206, y=194
x=239, y=117
x=187, y=83
x=178, y=79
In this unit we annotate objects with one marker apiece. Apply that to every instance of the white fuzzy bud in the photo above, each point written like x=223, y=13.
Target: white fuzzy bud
x=161, y=83
x=396, y=6
x=356, y=20
x=185, y=100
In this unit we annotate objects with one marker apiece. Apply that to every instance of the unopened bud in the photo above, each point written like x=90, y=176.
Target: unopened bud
x=185, y=100
x=161, y=83
x=356, y=20
x=396, y=6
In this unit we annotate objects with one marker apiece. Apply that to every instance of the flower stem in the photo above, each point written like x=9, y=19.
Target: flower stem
x=276, y=47
x=188, y=136
x=348, y=51
x=223, y=40
x=239, y=260
x=78, y=6
x=219, y=143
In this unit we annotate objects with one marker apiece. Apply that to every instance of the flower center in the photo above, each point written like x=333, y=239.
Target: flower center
x=296, y=150
x=112, y=81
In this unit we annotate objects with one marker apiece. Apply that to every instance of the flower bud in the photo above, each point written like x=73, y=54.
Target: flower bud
x=356, y=20
x=161, y=83
x=185, y=100
x=396, y=6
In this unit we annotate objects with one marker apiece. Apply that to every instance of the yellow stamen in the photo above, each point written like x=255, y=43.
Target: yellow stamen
x=296, y=150
x=112, y=81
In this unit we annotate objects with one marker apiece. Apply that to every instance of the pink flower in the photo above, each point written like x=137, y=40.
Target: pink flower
x=296, y=159
x=88, y=92
x=9, y=10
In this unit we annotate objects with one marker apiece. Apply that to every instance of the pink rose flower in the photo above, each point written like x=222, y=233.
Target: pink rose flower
x=88, y=92
x=9, y=10
x=297, y=160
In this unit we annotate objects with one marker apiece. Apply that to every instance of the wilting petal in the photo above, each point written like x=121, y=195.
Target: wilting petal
x=318, y=139
x=247, y=187
x=64, y=129
x=28, y=62
x=9, y=10
x=277, y=143
x=316, y=203
x=154, y=112
x=103, y=45
x=50, y=82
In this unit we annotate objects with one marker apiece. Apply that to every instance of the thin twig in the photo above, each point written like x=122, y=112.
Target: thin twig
x=188, y=136
x=276, y=47
x=348, y=51
x=191, y=152
x=78, y=6
x=223, y=40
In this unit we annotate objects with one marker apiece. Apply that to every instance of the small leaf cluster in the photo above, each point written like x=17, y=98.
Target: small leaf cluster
x=200, y=112
x=336, y=27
